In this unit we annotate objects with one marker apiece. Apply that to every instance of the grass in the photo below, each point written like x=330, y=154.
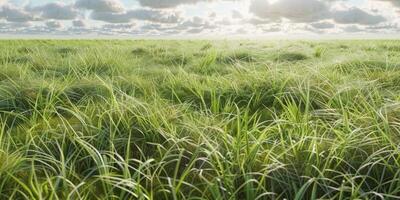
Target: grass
x=293, y=56
x=199, y=119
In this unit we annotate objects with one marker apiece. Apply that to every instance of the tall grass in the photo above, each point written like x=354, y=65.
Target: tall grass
x=149, y=120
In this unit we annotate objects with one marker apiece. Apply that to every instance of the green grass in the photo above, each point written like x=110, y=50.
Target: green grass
x=199, y=119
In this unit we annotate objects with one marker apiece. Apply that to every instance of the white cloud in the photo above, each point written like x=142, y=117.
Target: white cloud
x=166, y=3
x=241, y=31
x=393, y=2
x=212, y=15
x=195, y=22
x=389, y=26
x=352, y=29
x=312, y=11
x=323, y=25
x=151, y=26
x=14, y=25
x=294, y=10
x=355, y=15
x=54, y=24
x=236, y=14
x=257, y=21
x=55, y=10
x=111, y=17
x=79, y=23
x=138, y=14
x=100, y=5
x=15, y=14
x=225, y=22
x=173, y=3
x=118, y=26
x=154, y=15
x=272, y=28
x=195, y=30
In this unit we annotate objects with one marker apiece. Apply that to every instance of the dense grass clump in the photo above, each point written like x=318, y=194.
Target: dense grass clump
x=236, y=57
x=139, y=51
x=199, y=120
x=173, y=59
x=293, y=56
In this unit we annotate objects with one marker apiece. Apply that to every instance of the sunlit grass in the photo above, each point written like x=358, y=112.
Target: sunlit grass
x=199, y=120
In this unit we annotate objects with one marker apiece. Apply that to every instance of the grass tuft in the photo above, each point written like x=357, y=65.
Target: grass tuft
x=319, y=52
x=206, y=47
x=236, y=57
x=290, y=57
x=139, y=51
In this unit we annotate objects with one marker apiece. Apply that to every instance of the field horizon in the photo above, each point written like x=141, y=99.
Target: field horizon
x=199, y=119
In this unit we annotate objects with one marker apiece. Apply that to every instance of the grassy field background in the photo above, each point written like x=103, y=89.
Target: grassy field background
x=199, y=119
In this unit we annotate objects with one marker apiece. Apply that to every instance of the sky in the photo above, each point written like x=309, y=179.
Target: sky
x=199, y=18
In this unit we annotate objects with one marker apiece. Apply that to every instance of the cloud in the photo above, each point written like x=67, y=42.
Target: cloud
x=195, y=22
x=272, y=28
x=111, y=17
x=167, y=3
x=355, y=15
x=241, y=31
x=54, y=24
x=138, y=14
x=79, y=23
x=312, y=11
x=172, y=3
x=257, y=21
x=212, y=15
x=151, y=26
x=191, y=26
x=224, y=22
x=118, y=29
x=100, y=5
x=118, y=26
x=393, y=2
x=155, y=15
x=323, y=25
x=15, y=14
x=55, y=10
x=195, y=30
x=352, y=29
x=236, y=14
x=14, y=25
x=294, y=10
x=390, y=26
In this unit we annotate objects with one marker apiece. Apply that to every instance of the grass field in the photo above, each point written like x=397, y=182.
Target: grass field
x=199, y=119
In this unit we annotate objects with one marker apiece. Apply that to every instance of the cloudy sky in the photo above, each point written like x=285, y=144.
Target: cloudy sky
x=180, y=18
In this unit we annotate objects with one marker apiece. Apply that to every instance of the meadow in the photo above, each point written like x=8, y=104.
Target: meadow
x=159, y=119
